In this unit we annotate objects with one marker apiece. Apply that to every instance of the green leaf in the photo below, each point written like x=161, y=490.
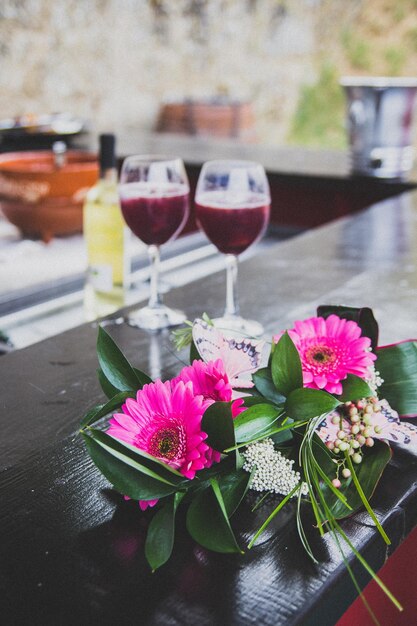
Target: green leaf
x=217, y=422
x=256, y=421
x=264, y=384
x=397, y=365
x=363, y=316
x=286, y=369
x=104, y=409
x=114, y=365
x=125, y=478
x=160, y=535
x=234, y=487
x=143, y=378
x=207, y=521
x=194, y=353
x=183, y=336
x=140, y=456
x=354, y=388
x=305, y=403
x=369, y=472
x=109, y=390
x=249, y=401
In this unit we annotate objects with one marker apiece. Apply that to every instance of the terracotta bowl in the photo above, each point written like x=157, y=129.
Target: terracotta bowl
x=208, y=119
x=41, y=199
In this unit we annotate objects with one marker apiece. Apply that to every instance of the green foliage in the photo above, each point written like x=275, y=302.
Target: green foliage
x=412, y=38
x=218, y=424
x=319, y=119
x=129, y=477
x=397, y=365
x=115, y=367
x=160, y=535
x=286, y=369
x=305, y=403
x=280, y=407
x=104, y=409
x=368, y=472
x=357, y=50
x=256, y=422
x=263, y=382
x=395, y=59
x=208, y=522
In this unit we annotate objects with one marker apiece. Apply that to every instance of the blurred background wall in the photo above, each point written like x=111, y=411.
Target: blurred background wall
x=114, y=62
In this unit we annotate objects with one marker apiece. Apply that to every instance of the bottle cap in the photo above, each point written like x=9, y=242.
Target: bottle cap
x=107, y=151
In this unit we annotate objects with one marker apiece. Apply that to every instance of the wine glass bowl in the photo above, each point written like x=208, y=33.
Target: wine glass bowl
x=154, y=197
x=232, y=205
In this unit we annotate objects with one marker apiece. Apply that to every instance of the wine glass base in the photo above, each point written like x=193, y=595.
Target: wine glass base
x=156, y=318
x=236, y=325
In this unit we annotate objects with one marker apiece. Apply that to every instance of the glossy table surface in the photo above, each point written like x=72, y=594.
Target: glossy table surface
x=71, y=550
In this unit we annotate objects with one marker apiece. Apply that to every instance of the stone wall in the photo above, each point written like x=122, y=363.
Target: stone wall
x=114, y=61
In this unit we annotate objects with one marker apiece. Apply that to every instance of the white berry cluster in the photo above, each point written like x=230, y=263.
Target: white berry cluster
x=374, y=379
x=273, y=471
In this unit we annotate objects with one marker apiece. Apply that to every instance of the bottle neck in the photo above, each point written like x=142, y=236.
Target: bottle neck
x=109, y=174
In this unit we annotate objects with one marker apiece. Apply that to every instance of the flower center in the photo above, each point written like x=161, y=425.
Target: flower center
x=320, y=355
x=166, y=443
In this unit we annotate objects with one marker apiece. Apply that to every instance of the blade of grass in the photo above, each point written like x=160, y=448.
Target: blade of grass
x=273, y=514
x=365, y=501
x=273, y=432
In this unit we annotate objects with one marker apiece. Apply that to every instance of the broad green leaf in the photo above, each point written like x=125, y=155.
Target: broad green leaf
x=286, y=369
x=369, y=472
x=208, y=524
x=140, y=456
x=160, y=535
x=305, y=403
x=218, y=424
x=126, y=479
x=234, y=487
x=354, y=388
x=249, y=401
x=282, y=437
x=143, y=378
x=104, y=409
x=114, y=365
x=256, y=421
x=364, y=317
x=264, y=384
x=397, y=365
x=109, y=390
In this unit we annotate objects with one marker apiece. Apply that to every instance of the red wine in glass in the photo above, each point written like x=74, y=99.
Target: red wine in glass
x=232, y=208
x=233, y=230
x=155, y=214
x=154, y=197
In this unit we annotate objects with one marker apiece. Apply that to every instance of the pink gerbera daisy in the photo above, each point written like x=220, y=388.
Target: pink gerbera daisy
x=209, y=380
x=165, y=422
x=329, y=350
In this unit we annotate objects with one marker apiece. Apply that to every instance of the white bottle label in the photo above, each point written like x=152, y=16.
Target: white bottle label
x=101, y=277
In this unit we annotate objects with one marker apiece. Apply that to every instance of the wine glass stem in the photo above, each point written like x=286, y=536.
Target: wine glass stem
x=154, y=297
x=232, y=304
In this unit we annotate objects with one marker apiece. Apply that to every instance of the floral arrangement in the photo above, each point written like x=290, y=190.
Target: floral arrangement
x=311, y=419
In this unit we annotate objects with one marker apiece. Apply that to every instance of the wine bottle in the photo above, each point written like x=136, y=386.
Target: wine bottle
x=105, y=234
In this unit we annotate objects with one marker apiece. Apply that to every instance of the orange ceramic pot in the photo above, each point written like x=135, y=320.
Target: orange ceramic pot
x=44, y=200
x=209, y=118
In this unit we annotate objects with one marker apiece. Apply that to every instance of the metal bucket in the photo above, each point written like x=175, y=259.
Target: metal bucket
x=380, y=114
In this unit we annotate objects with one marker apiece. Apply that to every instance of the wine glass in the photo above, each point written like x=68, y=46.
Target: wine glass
x=232, y=207
x=154, y=197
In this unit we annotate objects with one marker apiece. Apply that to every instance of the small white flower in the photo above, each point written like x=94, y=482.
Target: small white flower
x=273, y=472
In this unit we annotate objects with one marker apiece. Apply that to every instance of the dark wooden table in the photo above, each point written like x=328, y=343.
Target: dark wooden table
x=71, y=551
